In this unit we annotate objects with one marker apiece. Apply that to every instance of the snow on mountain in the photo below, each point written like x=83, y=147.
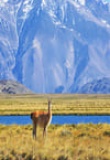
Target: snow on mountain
x=54, y=46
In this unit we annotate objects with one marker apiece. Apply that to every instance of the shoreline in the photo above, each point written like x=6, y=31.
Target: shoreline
x=62, y=114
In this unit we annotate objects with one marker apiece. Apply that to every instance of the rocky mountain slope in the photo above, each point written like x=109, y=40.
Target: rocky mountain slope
x=101, y=86
x=12, y=87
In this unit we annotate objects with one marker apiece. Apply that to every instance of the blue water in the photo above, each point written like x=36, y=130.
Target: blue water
x=71, y=119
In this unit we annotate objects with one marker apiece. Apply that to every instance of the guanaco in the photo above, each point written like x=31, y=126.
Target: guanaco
x=41, y=119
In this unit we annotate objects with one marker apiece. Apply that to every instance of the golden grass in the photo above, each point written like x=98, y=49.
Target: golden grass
x=62, y=104
x=67, y=142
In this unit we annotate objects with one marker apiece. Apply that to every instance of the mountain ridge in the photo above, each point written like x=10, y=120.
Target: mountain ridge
x=54, y=46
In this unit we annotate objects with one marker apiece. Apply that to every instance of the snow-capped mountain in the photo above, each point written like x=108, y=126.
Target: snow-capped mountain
x=54, y=45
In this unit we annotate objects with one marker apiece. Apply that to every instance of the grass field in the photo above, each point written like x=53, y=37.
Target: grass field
x=62, y=104
x=66, y=142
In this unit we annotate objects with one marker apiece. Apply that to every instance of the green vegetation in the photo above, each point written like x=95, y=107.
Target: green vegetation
x=66, y=142
x=62, y=104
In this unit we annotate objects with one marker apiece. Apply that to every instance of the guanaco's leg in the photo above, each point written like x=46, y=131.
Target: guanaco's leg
x=44, y=132
x=34, y=130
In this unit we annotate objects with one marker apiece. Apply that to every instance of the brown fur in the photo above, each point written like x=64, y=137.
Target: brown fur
x=41, y=119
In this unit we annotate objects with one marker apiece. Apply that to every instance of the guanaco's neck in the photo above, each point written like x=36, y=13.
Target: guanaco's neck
x=49, y=108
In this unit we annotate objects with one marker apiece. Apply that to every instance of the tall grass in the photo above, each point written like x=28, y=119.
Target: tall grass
x=67, y=142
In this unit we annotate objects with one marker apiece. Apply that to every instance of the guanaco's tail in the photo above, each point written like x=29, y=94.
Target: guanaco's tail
x=31, y=115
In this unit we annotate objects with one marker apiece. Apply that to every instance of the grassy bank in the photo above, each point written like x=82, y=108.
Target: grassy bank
x=62, y=104
x=67, y=142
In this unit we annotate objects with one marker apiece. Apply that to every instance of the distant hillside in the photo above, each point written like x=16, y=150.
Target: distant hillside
x=101, y=86
x=12, y=87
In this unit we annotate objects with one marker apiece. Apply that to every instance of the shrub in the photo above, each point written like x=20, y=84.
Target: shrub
x=106, y=133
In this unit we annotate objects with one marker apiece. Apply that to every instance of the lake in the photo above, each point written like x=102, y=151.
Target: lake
x=56, y=119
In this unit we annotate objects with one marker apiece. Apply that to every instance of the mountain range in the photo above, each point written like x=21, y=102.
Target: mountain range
x=58, y=46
